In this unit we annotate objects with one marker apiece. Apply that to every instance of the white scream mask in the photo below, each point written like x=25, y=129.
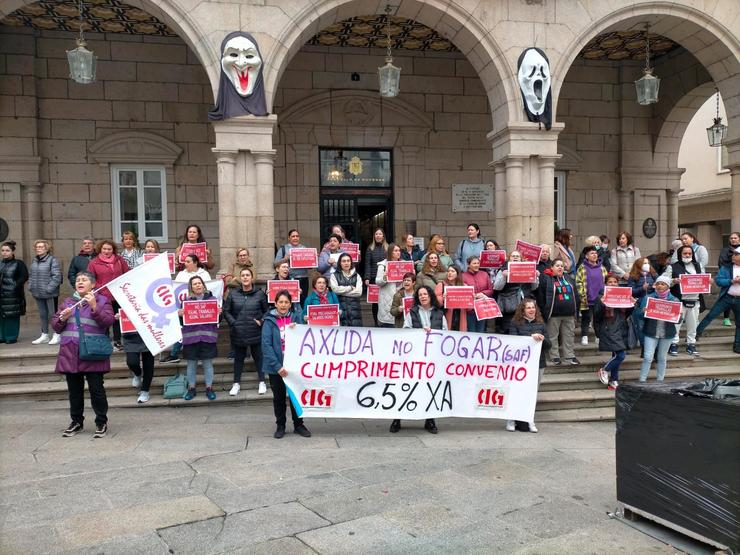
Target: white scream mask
x=534, y=80
x=241, y=63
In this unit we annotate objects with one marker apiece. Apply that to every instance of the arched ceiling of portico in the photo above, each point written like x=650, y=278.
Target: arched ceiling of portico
x=470, y=31
x=180, y=15
x=710, y=35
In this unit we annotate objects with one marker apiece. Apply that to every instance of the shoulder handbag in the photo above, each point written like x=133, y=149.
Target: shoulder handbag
x=175, y=387
x=94, y=346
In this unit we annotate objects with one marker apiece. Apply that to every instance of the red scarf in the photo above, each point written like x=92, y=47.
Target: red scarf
x=322, y=298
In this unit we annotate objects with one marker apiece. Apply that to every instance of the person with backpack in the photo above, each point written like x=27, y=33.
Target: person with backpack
x=472, y=245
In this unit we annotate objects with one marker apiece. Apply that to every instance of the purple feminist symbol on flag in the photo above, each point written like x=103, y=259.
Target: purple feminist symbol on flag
x=161, y=300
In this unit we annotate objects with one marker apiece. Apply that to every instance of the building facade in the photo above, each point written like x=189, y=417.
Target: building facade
x=136, y=148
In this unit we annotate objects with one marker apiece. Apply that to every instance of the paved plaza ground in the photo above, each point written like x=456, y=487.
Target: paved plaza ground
x=211, y=479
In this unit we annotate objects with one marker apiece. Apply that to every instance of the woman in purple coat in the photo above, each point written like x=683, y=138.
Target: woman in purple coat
x=96, y=315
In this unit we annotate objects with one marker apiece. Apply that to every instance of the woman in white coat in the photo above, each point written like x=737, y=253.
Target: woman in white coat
x=387, y=289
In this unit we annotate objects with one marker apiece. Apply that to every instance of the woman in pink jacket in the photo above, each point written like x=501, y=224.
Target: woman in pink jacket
x=106, y=267
x=95, y=315
x=481, y=282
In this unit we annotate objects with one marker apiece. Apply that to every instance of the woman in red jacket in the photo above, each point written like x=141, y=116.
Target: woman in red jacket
x=106, y=267
x=481, y=282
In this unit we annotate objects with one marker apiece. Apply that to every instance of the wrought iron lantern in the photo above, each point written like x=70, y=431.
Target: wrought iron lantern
x=81, y=61
x=389, y=75
x=717, y=132
x=648, y=85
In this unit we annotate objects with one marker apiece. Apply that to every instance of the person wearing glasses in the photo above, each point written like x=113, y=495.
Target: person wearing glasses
x=436, y=244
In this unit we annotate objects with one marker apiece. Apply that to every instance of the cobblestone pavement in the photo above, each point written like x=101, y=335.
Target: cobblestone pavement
x=213, y=480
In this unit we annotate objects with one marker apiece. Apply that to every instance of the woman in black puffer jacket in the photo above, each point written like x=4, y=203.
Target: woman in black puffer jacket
x=376, y=253
x=527, y=320
x=244, y=309
x=347, y=285
x=13, y=274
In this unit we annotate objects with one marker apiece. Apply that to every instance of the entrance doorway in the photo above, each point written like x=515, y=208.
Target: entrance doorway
x=357, y=193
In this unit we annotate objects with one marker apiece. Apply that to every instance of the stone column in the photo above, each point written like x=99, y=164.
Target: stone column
x=547, y=198
x=265, y=221
x=32, y=216
x=514, y=210
x=625, y=212
x=229, y=237
x=672, y=206
x=499, y=200
x=735, y=200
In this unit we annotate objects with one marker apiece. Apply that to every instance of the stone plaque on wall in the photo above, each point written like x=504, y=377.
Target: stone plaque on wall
x=472, y=198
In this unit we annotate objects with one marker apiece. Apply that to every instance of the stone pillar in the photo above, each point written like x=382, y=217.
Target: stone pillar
x=229, y=237
x=499, y=181
x=514, y=229
x=32, y=217
x=625, y=212
x=265, y=221
x=672, y=205
x=547, y=198
x=735, y=200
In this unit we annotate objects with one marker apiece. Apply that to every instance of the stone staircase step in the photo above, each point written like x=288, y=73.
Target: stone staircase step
x=575, y=415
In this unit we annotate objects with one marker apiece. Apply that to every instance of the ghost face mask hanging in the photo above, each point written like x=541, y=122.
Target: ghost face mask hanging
x=241, y=89
x=534, y=82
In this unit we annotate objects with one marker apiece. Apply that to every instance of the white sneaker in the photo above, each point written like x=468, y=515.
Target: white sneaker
x=584, y=340
x=136, y=381
x=262, y=389
x=235, y=389
x=43, y=338
x=532, y=428
x=143, y=397
x=55, y=339
x=603, y=376
x=510, y=426
x=596, y=340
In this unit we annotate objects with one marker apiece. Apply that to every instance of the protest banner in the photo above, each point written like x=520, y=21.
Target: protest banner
x=618, y=297
x=170, y=259
x=492, y=259
x=199, y=312
x=323, y=314
x=198, y=249
x=522, y=272
x=215, y=286
x=349, y=372
x=397, y=268
x=352, y=249
x=127, y=326
x=373, y=294
x=529, y=252
x=459, y=296
x=147, y=295
x=695, y=283
x=303, y=258
x=487, y=308
x=408, y=302
x=658, y=309
x=274, y=286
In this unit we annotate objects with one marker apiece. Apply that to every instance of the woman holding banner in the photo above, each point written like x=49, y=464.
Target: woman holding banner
x=610, y=325
x=426, y=314
x=456, y=317
x=319, y=295
x=243, y=310
x=687, y=264
x=199, y=342
x=527, y=321
x=106, y=267
x=657, y=334
x=387, y=289
x=283, y=253
x=194, y=235
x=481, y=284
x=192, y=268
x=347, y=284
x=408, y=287
x=510, y=294
x=273, y=347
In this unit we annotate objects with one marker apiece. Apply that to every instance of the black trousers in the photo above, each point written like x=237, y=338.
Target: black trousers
x=586, y=320
x=76, y=388
x=135, y=364
x=240, y=353
x=279, y=392
x=116, y=326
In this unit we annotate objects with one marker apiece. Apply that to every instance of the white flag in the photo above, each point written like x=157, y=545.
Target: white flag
x=147, y=296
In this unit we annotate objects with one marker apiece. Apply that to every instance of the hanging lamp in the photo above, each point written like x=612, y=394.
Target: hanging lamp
x=718, y=131
x=81, y=61
x=389, y=75
x=647, y=86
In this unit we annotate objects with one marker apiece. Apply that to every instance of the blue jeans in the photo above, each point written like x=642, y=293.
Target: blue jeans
x=176, y=348
x=47, y=309
x=612, y=366
x=474, y=324
x=651, y=346
x=207, y=370
x=725, y=302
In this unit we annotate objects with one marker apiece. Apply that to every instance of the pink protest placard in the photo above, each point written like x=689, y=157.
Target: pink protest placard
x=397, y=269
x=274, y=286
x=408, y=302
x=492, y=259
x=617, y=297
x=303, y=258
x=695, y=283
x=459, y=296
x=658, y=309
x=323, y=315
x=530, y=252
x=199, y=312
x=373, y=294
x=127, y=326
x=352, y=249
x=198, y=249
x=486, y=308
x=522, y=272
x=170, y=259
